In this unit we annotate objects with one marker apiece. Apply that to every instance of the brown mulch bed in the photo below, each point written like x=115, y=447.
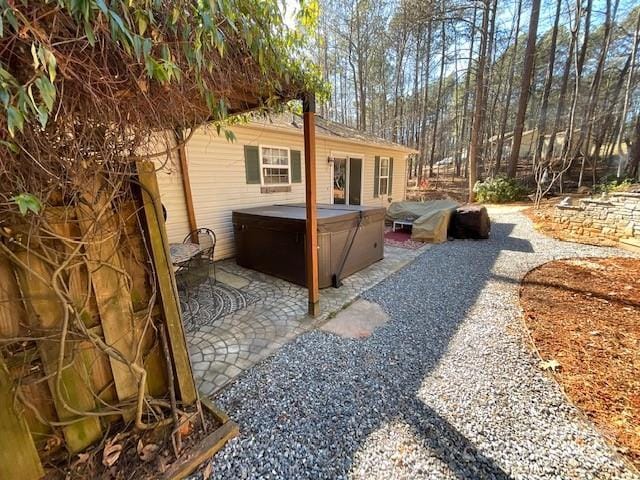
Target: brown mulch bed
x=584, y=314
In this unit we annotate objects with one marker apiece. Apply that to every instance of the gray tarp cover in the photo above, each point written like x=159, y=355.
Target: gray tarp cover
x=430, y=219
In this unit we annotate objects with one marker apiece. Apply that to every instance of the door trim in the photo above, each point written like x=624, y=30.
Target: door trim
x=348, y=157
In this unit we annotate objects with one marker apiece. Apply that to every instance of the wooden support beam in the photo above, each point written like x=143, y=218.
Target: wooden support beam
x=186, y=183
x=309, y=112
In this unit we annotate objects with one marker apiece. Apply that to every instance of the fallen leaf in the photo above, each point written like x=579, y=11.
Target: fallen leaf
x=143, y=85
x=53, y=443
x=83, y=457
x=185, y=427
x=111, y=454
x=147, y=452
x=552, y=365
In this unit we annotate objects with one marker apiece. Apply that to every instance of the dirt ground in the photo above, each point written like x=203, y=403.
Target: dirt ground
x=132, y=454
x=585, y=315
x=440, y=187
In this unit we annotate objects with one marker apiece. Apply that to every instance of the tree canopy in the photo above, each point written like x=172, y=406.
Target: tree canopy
x=85, y=80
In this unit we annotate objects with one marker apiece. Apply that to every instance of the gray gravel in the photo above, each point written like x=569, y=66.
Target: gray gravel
x=446, y=389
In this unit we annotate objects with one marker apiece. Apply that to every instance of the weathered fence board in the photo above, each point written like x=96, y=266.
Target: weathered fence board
x=112, y=293
x=166, y=280
x=18, y=454
x=11, y=311
x=37, y=392
x=64, y=222
x=71, y=389
x=116, y=280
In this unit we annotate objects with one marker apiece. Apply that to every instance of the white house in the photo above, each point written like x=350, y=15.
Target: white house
x=265, y=166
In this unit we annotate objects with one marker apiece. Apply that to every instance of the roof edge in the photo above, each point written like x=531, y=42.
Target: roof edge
x=348, y=140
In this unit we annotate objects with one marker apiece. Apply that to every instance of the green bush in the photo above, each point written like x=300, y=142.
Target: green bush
x=612, y=184
x=498, y=190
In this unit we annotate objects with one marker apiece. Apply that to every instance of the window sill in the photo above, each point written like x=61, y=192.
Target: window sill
x=275, y=189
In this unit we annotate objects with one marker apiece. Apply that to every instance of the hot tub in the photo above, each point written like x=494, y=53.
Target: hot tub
x=272, y=240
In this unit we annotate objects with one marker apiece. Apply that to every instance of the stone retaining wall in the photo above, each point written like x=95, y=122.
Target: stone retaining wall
x=606, y=220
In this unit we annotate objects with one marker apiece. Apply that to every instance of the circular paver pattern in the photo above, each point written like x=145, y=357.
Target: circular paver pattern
x=275, y=312
x=446, y=389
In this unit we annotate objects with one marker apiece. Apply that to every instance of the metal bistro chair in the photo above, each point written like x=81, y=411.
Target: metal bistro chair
x=181, y=272
x=201, y=268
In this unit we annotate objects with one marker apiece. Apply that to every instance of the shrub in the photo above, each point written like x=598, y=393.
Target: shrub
x=498, y=190
x=612, y=184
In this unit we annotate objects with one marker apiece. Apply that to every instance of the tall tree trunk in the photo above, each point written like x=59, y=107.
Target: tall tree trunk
x=527, y=73
x=627, y=95
x=400, y=51
x=606, y=118
x=439, y=98
x=488, y=76
x=507, y=102
x=634, y=151
x=564, y=85
x=542, y=119
x=478, y=111
x=415, y=137
x=465, y=101
x=425, y=103
x=587, y=122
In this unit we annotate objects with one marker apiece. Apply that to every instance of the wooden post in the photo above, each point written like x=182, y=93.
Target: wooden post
x=309, y=111
x=186, y=183
x=166, y=281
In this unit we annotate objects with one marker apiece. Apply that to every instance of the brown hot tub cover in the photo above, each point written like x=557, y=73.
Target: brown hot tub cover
x=272, y=240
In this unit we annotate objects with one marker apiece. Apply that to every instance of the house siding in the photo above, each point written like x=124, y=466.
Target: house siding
x=218, y=181
x=172, y=197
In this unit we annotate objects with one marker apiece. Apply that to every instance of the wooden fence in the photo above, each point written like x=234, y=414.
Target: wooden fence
x=56, y=386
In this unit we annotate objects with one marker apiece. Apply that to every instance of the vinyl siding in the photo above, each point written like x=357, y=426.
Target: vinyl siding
x=218, y=183
x=172, y=197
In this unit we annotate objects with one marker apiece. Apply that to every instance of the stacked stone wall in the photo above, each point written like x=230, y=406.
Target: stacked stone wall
x=606, y=220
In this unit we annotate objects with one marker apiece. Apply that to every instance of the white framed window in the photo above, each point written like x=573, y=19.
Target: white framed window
x=383, y=185
x=275, y=166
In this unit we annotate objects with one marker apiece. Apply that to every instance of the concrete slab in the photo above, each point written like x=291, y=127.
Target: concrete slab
x=358, y=320
x=235, y=281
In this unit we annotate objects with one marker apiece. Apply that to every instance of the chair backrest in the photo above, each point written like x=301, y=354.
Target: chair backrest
x=204, y=237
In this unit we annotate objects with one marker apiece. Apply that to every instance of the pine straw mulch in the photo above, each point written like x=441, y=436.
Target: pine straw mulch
x=584, y=320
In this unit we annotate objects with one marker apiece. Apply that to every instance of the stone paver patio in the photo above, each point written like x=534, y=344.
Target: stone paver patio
x=223, y=349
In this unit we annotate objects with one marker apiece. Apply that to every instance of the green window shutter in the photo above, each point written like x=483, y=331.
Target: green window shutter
x=252, y=163
x=389, y=188
x=296, y=168
x=376, y=177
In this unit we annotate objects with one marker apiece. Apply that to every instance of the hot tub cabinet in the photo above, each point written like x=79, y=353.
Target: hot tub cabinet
x=272, y=240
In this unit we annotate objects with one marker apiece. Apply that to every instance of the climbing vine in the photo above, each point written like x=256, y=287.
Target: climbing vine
x=88, y=89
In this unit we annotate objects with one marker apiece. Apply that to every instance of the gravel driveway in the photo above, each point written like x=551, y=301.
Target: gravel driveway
x=446, y=389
